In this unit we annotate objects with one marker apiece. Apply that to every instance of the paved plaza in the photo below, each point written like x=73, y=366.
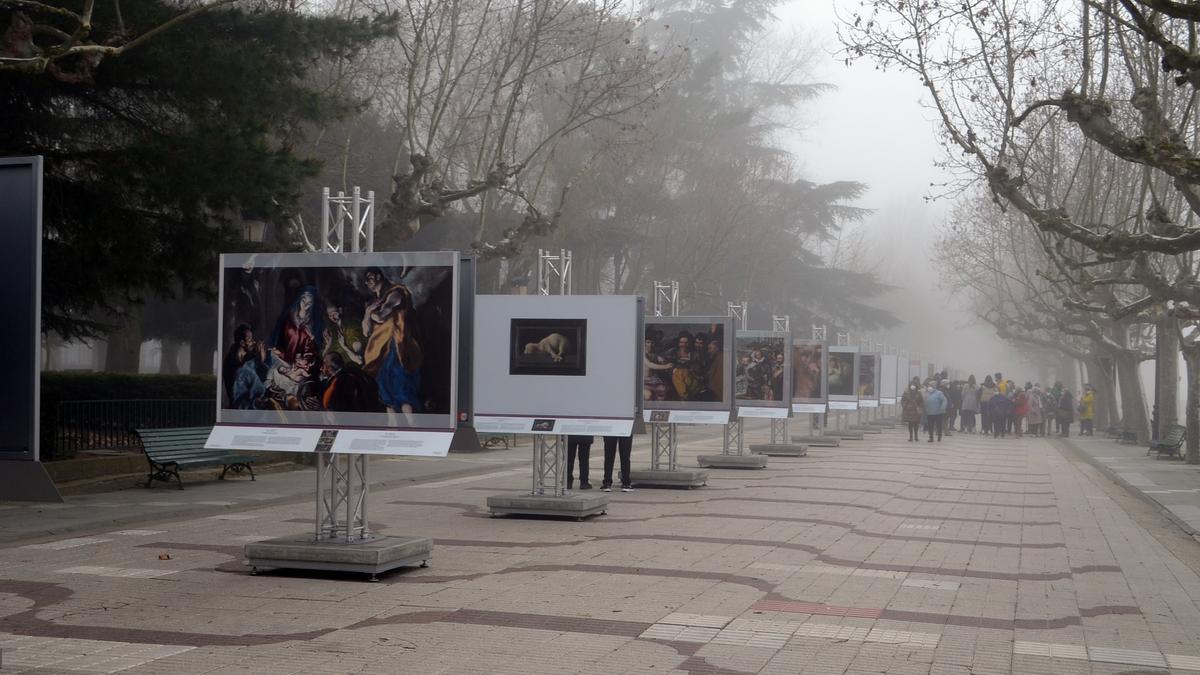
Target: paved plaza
x=881, y=556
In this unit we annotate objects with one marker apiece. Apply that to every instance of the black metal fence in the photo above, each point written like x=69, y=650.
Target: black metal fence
x=109, y=425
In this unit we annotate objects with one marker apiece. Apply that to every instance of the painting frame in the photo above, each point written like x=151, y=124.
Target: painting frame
x=778, y=343
x=258, y=290
x=670, y=328
x=845, y=386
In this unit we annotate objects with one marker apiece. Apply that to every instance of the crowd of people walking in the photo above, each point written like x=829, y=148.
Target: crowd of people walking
x=997, y=407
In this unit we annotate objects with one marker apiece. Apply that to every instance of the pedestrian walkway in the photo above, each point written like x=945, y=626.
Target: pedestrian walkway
x=1168, y=484
x=975, y=555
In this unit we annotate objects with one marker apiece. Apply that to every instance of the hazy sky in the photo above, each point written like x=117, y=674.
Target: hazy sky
x=873, y=129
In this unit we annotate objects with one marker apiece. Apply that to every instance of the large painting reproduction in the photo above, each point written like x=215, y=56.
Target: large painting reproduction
x=362, y=340
x=808, y=371
x=686, y=363
x=841, y=377
x=761, y=364
x=867, y=376
x=548, y=347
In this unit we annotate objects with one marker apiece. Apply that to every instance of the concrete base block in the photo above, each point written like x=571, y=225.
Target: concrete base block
x=881, y=425
x=865, y=428
x=846, y=435
x=818, y=441
x=686, y=478
x=751, y=461
x=780, y=449
x=372, y=556
x=571, y=505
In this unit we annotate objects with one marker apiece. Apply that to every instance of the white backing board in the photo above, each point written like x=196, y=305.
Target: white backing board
x=607, y=388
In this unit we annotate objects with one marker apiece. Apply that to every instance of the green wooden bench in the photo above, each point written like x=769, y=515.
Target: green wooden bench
x=1170, y=442
x=169, y=450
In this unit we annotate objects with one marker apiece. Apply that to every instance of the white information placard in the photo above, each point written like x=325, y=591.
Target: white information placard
x=272, y=439
x=580, y=426
x=843, y=405
x=868, y=403
x=887, y=401
x=810, y=408
x=763, y=413
x=392, y=442
x=686, y=416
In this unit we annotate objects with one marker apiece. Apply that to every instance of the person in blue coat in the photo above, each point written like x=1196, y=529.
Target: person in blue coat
x=935, y=410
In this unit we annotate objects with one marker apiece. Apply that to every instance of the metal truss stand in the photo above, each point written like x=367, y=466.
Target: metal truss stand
x=664, y=468
x=548, y=495
x=779, y=430
x=338, y=476
x=732, y=442
x=732, y=448
x=342, y=539
x=549, y=469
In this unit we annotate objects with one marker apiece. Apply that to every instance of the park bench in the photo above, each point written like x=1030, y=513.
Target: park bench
x=1170, y=442
x=493, y=440
x=169, y=450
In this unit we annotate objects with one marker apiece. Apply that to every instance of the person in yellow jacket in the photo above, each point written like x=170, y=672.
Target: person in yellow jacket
x=1087, y=411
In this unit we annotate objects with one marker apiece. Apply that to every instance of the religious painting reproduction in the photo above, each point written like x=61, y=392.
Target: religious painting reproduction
x=338, y=340
x=548, y=347
x=808, y=377
x=760, y=368
x=684, y=362
x=866, y=376
x=841, y=374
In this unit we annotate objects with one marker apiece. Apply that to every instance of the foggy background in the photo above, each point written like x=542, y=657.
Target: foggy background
x=873, y=129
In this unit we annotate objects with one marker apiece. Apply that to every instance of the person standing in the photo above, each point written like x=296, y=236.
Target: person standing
x=1065, y=413
x=580, y=446
x=999, y=408
x=1035, y=416
x=613, y=445
x=1020, y=409
x=952, y=403
x=1087, y=411
x=935, y=410
x=986, y=392
x=970, y=405
x=912, y=408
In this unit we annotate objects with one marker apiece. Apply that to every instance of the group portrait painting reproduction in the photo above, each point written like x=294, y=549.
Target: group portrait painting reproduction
x=337, y=340
x=684, y=362
x=760, y=368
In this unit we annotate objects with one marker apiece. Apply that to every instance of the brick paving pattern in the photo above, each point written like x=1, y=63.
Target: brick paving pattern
x=880, y=556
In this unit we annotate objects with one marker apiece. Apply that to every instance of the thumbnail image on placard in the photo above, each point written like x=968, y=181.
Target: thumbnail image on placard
x=683, y=362
x=548, y=347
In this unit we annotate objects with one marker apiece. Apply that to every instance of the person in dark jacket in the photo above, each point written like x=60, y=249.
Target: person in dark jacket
x=1065, y=414
x=579, y=446
x=912, y=409
x=999, y=408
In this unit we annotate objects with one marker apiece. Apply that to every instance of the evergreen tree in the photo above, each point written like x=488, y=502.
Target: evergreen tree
x=154, y=157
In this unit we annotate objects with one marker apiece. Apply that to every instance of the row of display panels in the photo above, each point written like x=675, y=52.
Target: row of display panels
x=343, y=352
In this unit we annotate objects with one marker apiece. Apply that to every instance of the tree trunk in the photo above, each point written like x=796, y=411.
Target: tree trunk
x=1167, y=371
x=204, y=345
x=1192, y=414
x=125, y=346
x=1133, y=397
x=169, y=364
x=1105, y=393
